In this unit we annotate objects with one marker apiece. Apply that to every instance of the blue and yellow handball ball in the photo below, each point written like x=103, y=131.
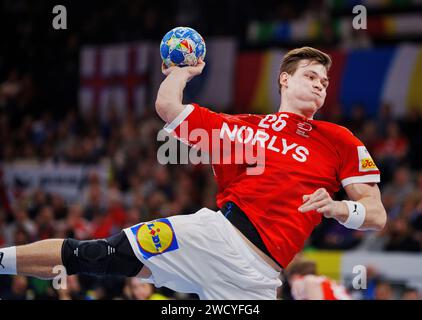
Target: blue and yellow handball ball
x=182, y=46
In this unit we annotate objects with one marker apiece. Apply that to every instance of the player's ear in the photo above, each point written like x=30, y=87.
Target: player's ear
x=284, y=79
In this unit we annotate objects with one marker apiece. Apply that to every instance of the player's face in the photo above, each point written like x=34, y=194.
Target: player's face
x=306, y=89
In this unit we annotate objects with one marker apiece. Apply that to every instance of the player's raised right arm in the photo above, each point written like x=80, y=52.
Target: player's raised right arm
x=169, y=103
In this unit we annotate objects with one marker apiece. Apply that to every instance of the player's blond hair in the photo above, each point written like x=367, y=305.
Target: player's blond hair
x=292, y=58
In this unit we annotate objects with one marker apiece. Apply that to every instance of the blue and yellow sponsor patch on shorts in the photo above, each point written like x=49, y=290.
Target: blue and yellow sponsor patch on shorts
x=155, y=237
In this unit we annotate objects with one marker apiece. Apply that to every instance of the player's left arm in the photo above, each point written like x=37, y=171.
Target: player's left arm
x=365, y=201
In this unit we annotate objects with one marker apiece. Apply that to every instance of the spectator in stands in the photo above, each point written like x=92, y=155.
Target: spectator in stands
x=401, y=237
x=416, y=215
x=19, y=289
x=45, y=223
x=10, y=88
x=373, y=276
x=72, y=290
x=391, y=149
x=94, y=199
x=385, y=118
x=401, y=185
x=58, y=205
x=22, y=228
x=411, y=125
x=383, y=291
x=368, y=134
x=137, y=290
x=411, y=293
x=374, y=240
x=79, y=227
x=357, y=118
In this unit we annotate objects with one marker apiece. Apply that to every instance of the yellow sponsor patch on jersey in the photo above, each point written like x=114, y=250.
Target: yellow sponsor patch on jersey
x=368, y=163
x=365, y=160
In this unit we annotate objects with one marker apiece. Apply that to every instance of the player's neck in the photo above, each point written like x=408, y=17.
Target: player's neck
x=303, y=113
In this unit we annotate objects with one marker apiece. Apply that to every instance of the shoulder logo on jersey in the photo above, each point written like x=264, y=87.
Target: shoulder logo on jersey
x=365, y=160
x=155, y=237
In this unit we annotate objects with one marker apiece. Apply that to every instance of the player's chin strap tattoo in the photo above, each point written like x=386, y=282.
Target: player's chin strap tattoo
x=357, y=214
x=111, y=256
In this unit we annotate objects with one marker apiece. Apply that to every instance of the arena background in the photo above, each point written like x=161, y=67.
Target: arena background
x=78, y=127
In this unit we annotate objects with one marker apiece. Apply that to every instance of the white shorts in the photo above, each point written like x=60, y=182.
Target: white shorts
x=202, y=253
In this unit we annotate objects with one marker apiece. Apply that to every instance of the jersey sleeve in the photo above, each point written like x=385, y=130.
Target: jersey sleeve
x=356, y=164
x=195, y=117
x=198, y=126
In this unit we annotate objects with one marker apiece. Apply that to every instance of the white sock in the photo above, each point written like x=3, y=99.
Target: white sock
x=8, y=260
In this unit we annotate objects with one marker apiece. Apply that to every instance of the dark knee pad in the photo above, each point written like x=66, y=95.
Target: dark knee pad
x=111, y=256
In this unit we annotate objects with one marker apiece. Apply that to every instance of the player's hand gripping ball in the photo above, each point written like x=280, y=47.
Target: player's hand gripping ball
x=182, y=46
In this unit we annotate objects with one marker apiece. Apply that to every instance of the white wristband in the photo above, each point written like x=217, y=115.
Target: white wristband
x=8, y=260
x=357, y=213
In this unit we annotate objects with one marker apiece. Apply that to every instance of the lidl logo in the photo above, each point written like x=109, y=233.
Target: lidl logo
x=155, y=237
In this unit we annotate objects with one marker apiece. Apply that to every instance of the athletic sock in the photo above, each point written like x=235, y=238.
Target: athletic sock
x=8, y=260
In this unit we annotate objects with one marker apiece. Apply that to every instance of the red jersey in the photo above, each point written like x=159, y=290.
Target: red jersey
x=330, y=290
x=300, y=156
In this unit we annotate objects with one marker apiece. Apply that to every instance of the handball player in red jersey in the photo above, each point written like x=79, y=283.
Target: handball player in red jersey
x=306, y=284
x=265, y=216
